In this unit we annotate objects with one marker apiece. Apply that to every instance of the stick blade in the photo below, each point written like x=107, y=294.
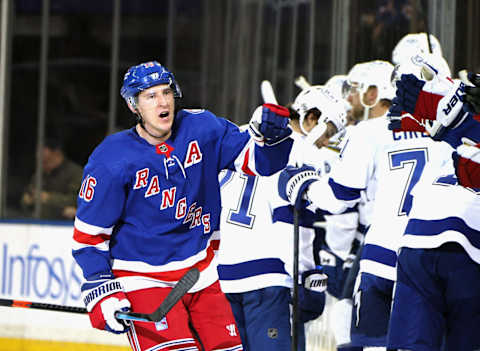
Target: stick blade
x=178, y=291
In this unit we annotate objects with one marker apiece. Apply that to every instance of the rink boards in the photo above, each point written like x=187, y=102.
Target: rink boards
x=36, y=265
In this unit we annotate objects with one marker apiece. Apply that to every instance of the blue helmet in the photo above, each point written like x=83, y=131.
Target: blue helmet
x=144, y=76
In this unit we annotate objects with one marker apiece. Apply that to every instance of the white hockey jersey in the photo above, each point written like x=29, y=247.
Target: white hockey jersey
x=341, y=229
x=444, y=211
x=256, y=234
x=386, y=165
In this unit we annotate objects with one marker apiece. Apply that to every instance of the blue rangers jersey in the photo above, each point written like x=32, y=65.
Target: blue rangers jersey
x=442, y=212
x=149, y=213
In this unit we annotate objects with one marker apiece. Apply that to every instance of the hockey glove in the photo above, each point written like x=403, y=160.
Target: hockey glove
x=269, y=124
x=467, y=165
x=472, y=96
x=451, y=119
x=294, y=181
x=420, y=98
x=399, y=120
x=336, y=269
x=103, y=298
x=416, y=100
x=311, y=294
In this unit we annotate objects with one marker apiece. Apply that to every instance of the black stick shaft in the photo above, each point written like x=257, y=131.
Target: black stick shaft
x=41, y=306
x=179, y=290
x=295, y=317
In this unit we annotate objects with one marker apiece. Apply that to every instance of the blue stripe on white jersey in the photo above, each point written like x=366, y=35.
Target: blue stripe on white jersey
x=285, y=214
x=444, y=212
x=435, y=227
x=379, y=254
x=343, y=192
x=251, y=268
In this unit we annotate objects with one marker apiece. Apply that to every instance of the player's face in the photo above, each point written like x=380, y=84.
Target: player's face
x=310, y=121
x=157, y=106
x=357, y=107
x=325, y=138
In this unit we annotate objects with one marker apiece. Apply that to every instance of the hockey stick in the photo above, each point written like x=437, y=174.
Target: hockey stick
x=178, y=291
x=41, y=306
x=295, y=312
x=302, y=82
x=268, y=94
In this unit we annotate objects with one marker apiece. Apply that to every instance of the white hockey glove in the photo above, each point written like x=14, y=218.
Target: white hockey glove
x=102, y=299
x=294, y=181
x=269, y=124
x=450, y=112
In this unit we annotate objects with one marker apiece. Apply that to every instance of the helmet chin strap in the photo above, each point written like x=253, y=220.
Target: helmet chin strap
x=366, y=107
x=316, y=133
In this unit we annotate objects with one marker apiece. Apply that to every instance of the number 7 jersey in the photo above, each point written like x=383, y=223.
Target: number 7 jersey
x=383, y=166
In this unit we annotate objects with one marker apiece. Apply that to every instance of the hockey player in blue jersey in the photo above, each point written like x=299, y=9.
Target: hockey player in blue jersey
x=149, y=209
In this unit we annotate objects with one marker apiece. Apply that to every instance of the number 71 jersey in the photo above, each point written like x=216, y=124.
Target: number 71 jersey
x=387, y=165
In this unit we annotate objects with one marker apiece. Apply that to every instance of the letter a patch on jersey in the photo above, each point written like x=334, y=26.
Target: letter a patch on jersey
x=194, y=155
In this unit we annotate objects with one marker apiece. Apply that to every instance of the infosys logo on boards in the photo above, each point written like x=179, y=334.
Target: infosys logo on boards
x=36, y=276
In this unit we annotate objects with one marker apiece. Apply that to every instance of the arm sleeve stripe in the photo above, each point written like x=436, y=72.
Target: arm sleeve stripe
x=245, y=167
x=88, y=239
x=91, y=229
x=343, y=192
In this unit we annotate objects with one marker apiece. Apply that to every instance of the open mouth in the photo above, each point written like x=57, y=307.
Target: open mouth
x=164, y=114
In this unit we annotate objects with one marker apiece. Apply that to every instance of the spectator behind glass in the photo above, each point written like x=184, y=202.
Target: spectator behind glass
x=61, y=177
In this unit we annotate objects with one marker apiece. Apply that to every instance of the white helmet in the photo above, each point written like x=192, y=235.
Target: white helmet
x=416, y=65
x=335, y=85
x=412, y=44
x=330, y=107
x=373, y=73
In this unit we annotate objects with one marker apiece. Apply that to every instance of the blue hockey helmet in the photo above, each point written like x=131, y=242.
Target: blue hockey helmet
x=144, y=76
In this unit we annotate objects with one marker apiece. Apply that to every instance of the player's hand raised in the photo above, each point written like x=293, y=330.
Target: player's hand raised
x=269, y=124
